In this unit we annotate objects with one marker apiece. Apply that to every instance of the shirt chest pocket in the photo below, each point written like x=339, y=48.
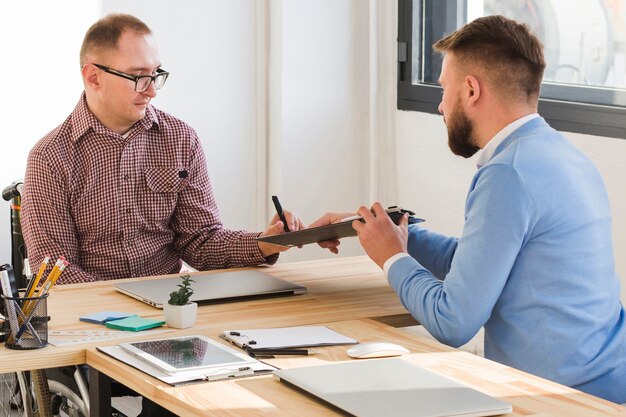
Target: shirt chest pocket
x=162, y=186
x=166, y=180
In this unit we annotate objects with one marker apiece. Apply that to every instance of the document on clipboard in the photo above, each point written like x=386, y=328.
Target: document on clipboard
x=331, y=231
x=286, y=337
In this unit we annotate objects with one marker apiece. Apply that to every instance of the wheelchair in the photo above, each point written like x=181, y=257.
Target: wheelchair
x=37, y=393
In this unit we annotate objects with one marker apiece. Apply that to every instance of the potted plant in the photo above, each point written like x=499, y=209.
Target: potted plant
x=179, y=312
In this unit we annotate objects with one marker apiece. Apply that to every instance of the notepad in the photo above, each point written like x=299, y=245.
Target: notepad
x=286, y=337
x=134, y=323
x=103, y=316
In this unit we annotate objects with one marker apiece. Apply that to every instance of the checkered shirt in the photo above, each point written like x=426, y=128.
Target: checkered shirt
x=120, y=208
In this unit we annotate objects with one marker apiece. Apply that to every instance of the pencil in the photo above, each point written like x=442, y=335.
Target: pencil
x=32, y=285
x=52, y=273
x=54, y=279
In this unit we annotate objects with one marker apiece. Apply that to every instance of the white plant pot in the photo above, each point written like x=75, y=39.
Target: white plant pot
x=180, y=317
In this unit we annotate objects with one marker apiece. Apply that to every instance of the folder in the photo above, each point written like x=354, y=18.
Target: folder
x=332, y=231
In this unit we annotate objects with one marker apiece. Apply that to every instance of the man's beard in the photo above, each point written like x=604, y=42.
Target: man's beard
x=460, y=134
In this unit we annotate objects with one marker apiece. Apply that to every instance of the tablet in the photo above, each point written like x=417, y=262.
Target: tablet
x=331, y=231
x=187, y=353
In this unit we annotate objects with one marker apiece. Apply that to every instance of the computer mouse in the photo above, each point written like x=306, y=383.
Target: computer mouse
x=376, y=350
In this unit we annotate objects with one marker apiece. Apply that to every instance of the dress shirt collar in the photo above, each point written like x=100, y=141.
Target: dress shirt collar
x=83, y=120
x=491, y=146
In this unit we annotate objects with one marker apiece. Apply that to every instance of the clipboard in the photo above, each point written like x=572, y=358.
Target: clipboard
x=217, y=357
x=189, y=377
x=332, y=231
x=286, y=337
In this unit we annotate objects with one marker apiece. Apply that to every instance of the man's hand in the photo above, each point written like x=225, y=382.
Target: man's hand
x=379, y=236
x=277, y=227
x=326, y=219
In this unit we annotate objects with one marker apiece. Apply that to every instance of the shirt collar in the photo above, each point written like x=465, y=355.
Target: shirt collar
x=490, y=148
x=83, y=120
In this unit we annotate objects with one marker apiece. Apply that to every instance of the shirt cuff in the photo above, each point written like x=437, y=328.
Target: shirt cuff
x=272, y=259
x=389, y=262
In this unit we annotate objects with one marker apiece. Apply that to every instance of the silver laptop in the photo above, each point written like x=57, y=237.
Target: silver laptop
x=215, y=287
x=391, y=388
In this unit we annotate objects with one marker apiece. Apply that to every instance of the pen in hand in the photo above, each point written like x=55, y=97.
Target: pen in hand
x=280, y=212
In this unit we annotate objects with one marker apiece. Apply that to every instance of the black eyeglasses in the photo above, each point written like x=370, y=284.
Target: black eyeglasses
x=142, y=82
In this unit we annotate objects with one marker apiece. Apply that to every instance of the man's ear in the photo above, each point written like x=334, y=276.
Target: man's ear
x=472, y=89
x=91, y=76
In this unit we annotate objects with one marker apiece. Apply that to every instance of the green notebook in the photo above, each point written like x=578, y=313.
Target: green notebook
x=134, y=323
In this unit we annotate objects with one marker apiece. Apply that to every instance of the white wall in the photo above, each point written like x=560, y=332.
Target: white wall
x=324, y=112
x=41, y=81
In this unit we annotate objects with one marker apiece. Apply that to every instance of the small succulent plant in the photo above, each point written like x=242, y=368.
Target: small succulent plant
x=180, y=297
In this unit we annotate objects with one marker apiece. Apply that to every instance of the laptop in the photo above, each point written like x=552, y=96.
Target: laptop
x=218, y=287
x=391, y=388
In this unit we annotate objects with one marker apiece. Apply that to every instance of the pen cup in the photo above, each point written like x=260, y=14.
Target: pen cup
x=26, y=322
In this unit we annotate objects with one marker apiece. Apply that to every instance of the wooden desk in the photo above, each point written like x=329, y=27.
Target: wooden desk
x=265, y=395
x=344, y=293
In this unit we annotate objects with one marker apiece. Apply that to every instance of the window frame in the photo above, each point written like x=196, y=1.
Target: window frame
x=569, y=116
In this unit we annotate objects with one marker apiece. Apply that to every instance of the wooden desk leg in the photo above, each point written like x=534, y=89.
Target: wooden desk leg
x=99, y=393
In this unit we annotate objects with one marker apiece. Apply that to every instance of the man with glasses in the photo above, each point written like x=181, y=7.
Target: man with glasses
x=121, y=188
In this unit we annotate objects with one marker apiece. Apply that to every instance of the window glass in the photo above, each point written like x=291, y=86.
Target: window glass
x=584, y=41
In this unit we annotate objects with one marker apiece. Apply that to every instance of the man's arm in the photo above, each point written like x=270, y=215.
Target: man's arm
x=432, y=250
x=46, y=218
x=498, y=218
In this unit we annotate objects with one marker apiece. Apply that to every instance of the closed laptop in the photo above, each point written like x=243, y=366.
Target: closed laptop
x=217, y=287
x=391, y=388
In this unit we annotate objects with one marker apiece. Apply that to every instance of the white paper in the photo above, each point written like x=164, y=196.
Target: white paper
x=287, y=337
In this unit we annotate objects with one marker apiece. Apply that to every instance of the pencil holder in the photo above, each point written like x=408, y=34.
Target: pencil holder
x=26, y=322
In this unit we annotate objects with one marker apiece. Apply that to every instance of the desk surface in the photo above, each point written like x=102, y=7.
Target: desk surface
x=338, y=289
x=342, y=293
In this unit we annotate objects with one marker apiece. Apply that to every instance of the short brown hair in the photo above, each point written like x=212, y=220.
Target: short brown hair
x=105, y=33
x=504, y=51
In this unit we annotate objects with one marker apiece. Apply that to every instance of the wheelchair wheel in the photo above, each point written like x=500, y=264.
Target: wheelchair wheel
x=15, y=398
x=31, y=394
x=65, y=402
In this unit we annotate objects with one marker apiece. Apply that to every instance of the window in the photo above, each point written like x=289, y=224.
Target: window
x=584, y=85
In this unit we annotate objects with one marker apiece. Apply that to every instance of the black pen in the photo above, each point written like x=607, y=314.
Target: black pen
x=272, y=352
x=279, y=210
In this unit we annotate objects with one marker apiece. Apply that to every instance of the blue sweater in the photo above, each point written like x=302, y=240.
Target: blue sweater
x=534, y=265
